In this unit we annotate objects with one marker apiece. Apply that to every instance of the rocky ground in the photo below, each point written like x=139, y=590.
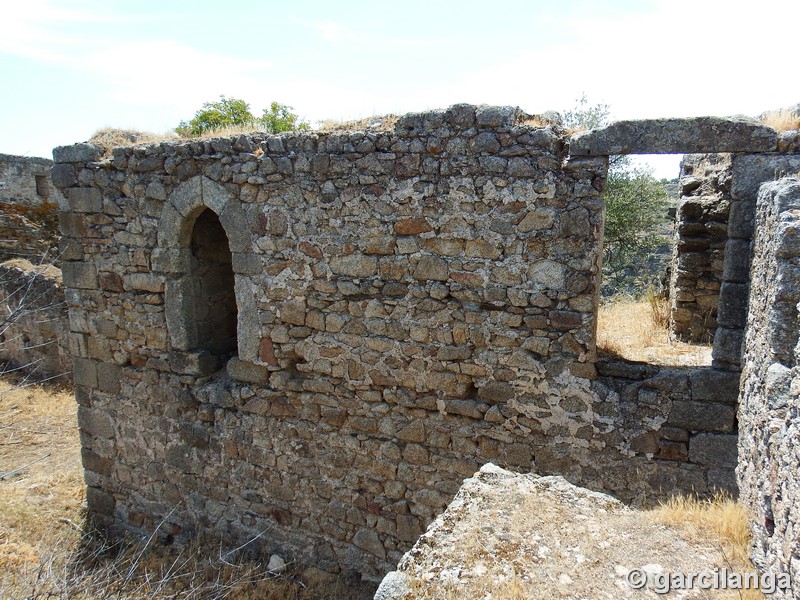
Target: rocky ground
x=508, y=535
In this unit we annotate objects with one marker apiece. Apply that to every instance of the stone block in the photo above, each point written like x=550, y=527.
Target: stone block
x=248, y=372
x=409, y=528
x=63, y=175
x=741, y=219
x=84, y=372
x=96, y=422
x=170, y=260
x=431, y=268
x=737, y=261
x=702, y=416
x=144, y=282
x=109, y=376
x=497, y=116
x=81, y=275
x=193, y=363
x=96, y=463
x=368, y=540
x=100, y=502
x=749, y=171
x=715, y=385
x=727, y=351
x=412, y=226
x=85, y=200
x=718, y=450
x=723, y=480
x=496, y=392
x=77, y=153
x=547, y=274
x=676, y=136
x=732, y=307
x=354, y=265
x=669, y=450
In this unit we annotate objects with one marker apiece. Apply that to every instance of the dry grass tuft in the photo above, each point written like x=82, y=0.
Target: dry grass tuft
x=109, y=138
x=639, y=330
x=374, y=123
x=227, y=131
x=720, y=517
x=784, y=119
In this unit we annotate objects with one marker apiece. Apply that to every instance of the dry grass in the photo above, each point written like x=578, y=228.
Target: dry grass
x=639, y=330
x=374, y=123
x=109, y=138
x=784, y=119
x=721, y=519
x=43, y=499
x=46, y=551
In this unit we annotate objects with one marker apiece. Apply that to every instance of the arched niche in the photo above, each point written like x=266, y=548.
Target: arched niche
x=209, y=314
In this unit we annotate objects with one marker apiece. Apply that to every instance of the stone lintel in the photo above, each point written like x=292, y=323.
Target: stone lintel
x=676, y=136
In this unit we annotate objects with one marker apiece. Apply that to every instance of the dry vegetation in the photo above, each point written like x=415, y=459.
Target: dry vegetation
x=785, y=119
x=639, y=330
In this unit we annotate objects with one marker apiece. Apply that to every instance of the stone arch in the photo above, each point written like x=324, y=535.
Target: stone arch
x=198, y=199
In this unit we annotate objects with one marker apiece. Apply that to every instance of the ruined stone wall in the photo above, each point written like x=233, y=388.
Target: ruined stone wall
x=748, y=173
x=28, y=207
x=410, y=304
x=33, y=321
x=770, y=397
x=701, y=234
x=26, y=180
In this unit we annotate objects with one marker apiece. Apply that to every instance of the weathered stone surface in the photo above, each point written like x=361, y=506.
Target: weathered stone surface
x=521, y=518
x=676, y=136
x=84, y=200
x=703, y=416
x=750, y=171
x=354, y=265
x=715, y=385
x=732, y=311
x=77, y=153
x=737, y=261
x=714, y=449
x=34, y=335
x=727, y=350
x=248, y=372
x=768, y=448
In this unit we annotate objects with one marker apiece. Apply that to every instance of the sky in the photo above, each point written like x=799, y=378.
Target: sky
x=71, y=67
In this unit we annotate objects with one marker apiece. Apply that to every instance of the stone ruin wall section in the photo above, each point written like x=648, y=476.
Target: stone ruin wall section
x=701, y=235
x=411, y=304
x=770, y=442
x=26, y=180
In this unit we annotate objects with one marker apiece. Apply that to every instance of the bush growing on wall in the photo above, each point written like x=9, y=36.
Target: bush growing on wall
x=233, y=112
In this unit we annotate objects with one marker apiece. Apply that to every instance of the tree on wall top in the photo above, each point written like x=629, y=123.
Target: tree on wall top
x=636, y=209
x=235, y=113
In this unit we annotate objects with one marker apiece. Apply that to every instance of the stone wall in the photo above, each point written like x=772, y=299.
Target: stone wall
x=410, y=304
x=770, y=398
x=33, y=321
x=701, y=234
x=26, y=180
x=748, y=173
x=28, y=208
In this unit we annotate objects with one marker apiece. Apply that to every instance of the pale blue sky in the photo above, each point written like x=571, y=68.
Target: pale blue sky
x=69, y=68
